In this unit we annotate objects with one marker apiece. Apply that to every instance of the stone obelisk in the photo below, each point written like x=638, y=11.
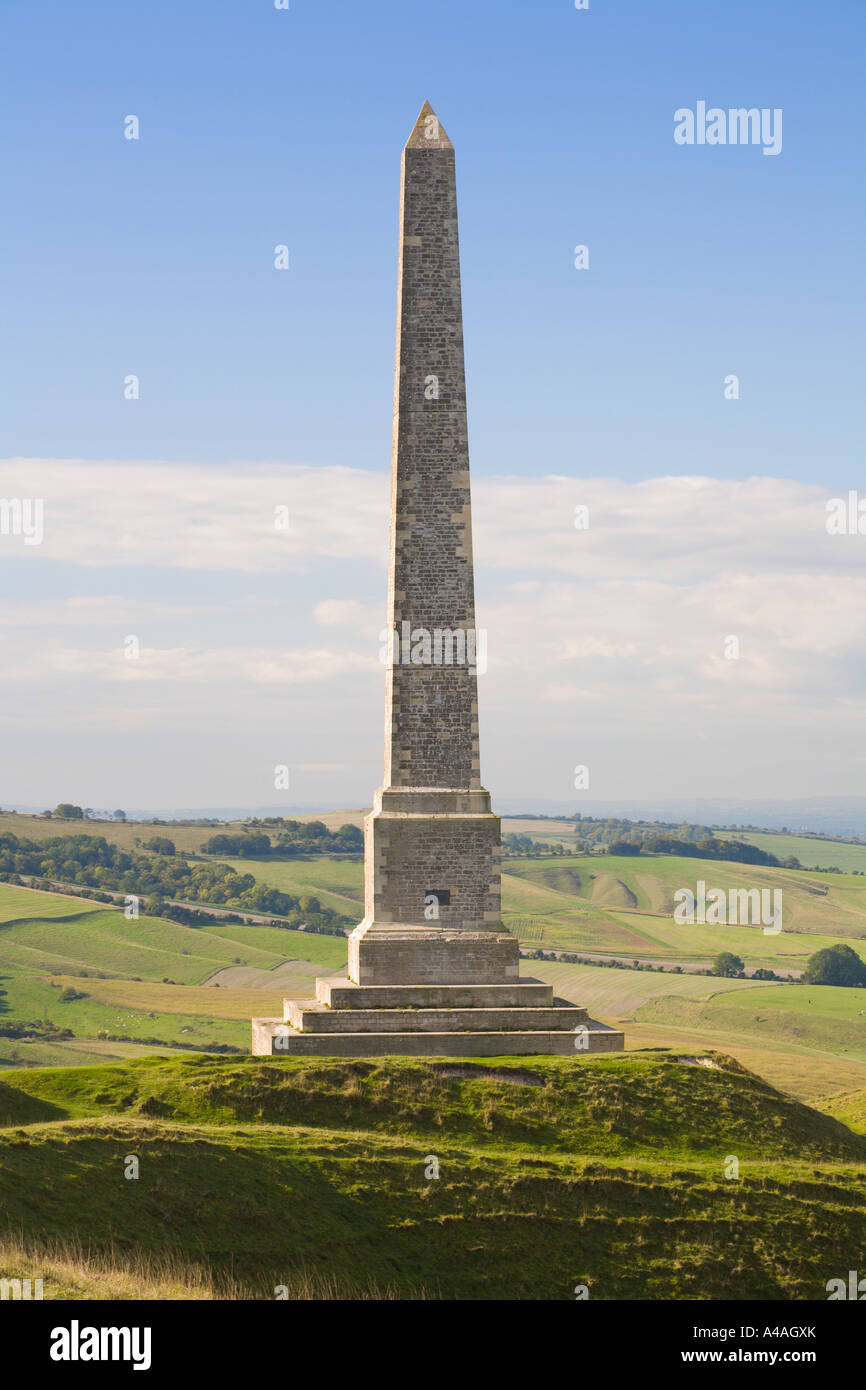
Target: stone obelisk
x=432, y=898
x=431, y=968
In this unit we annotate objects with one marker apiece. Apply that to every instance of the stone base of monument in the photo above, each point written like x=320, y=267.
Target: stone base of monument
x=453, y=1020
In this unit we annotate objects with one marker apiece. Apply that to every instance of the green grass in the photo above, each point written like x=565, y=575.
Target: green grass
x=647, y=1102
x=93, y=937
x=42, y=951
x=19, y=903
x=34, y=1052
x=809, y=1050
x=337, y=883
x=133, y=1013
x=826, y=854
x=327, y=951
x=850, y=1109
x=624, y=906
x=608, y=1171
x=815, y=1016
x=151, y=948
x=612, y=993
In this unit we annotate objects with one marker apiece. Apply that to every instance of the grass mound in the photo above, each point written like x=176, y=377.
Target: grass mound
x=434, y=1179
x=850, y=1109
x=608, y=1105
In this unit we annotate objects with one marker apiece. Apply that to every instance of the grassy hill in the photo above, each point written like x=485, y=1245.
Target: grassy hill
x=188, y=838
x=618, y=905
x=808, y=1041
x=623, y=905
x=141, y=979
x=550, y=1174
x=827, y=854
x=337, y=883
x=850, y=1109
x=155, y=985
x=812, y=903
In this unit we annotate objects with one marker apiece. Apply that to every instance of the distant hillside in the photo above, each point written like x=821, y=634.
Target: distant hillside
x=830, y=815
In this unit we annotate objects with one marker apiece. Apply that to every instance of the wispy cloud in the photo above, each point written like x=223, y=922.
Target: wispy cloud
x=616, y=638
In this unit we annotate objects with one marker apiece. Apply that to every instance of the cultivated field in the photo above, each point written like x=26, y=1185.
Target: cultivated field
x=808, y=1041
x=827, y=854
x=622, y=906
x=140, y=979
x=156, y=980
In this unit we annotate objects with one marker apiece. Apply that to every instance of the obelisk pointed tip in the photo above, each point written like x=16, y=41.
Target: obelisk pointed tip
x=428, y=133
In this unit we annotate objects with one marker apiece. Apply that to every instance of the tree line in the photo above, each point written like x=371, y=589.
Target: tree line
x=293, y=838
x=93, y=862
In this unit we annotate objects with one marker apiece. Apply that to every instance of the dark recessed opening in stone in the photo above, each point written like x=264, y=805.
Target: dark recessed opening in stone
x=442, y=896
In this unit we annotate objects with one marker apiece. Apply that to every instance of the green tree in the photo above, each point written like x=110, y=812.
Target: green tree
x=312, y=829
x=160, y=844
x=67, y=811
x=729, y=966
x=835, y=965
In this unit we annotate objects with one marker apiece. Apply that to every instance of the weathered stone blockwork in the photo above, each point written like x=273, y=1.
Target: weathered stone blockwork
x=273, y=1037
x=339, y=992
x=431, y=834
x=431, y=970
x=383, y=955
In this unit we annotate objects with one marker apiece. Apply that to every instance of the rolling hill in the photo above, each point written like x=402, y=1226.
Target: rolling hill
x=143, y=981
x=549, y=1175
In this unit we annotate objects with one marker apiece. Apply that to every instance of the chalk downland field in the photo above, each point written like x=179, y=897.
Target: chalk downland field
x=808, y=1042
x=171, y=985
x=620, y=905
x=552, y=1172
x=338, y=883
x=826, y=854
x=141, y=979
x=813, y=904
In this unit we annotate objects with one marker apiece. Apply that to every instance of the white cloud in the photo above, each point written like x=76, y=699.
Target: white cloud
x=184, y=665
x=363, y=617
x=613, y=633
x=223, y=519
x=192, y=517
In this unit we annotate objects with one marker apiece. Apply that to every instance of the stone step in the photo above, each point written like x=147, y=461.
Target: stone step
x=272, y=1037
x=308, y=1017
x=339, y=992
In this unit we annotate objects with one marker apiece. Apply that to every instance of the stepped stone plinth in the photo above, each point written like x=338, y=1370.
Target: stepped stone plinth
x=432, y=971
x=321, y=1018
x=351, y=1020
x=342, y=993
x=312, y=1029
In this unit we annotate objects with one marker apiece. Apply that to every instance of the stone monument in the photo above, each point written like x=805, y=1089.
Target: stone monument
x=432, y=970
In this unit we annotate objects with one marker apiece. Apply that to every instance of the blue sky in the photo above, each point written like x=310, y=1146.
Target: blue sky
x=261, y=127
